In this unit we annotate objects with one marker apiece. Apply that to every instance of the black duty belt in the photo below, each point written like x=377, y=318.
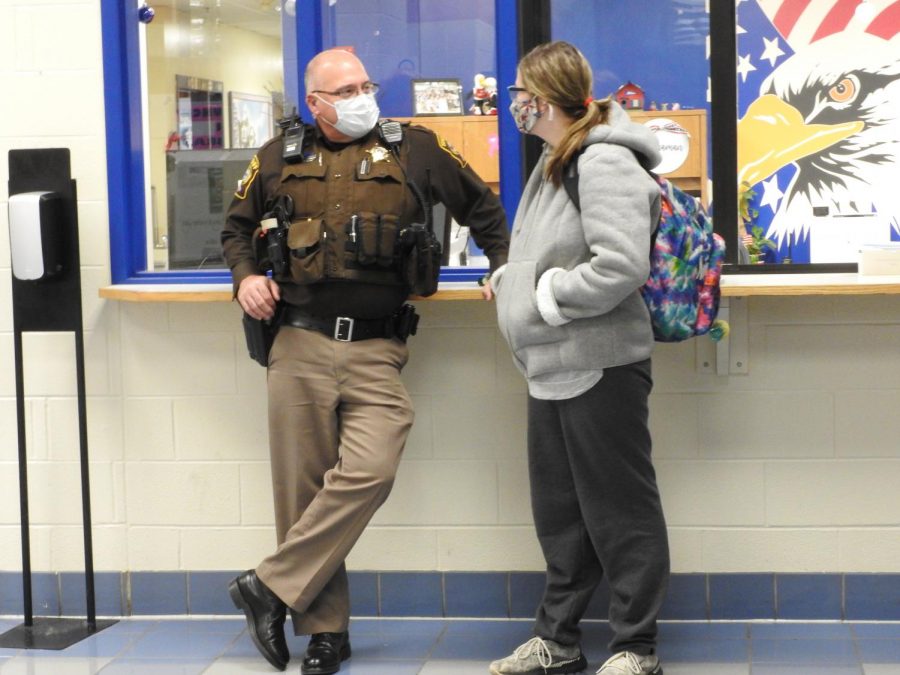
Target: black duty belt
x=347, y=329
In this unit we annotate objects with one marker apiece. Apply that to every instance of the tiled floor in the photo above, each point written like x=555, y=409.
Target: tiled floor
x=464, y=647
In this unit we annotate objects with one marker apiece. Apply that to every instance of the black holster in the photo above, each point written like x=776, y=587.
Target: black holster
x=260, y=336
x=405, y=322
x=420, y=260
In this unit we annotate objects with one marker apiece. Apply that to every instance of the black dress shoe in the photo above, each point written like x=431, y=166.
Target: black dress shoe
x=325, y=653
x=265, y=614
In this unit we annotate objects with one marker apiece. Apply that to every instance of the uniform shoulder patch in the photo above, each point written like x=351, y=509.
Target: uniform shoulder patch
x=444, y=145
x=247, y=179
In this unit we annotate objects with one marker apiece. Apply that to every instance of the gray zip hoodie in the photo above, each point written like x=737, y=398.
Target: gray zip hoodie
x=567, y=300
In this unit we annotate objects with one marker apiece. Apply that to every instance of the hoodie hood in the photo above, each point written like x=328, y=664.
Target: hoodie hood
x=620, y=130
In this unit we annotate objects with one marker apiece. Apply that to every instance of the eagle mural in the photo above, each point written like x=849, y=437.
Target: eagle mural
x=824, y=129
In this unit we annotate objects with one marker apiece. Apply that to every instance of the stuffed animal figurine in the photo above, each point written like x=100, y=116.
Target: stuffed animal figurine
x=490, y=106
x=481, y=96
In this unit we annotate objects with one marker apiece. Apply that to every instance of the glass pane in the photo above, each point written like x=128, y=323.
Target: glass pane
x=652, y=58
x=817, y=92
x=215, y=88
x=444, y=51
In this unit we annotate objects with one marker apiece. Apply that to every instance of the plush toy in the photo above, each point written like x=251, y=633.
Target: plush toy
x=490, y=106
x=480, y=94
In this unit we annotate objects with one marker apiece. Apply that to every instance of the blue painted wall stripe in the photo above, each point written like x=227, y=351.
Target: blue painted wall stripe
x=485, y=594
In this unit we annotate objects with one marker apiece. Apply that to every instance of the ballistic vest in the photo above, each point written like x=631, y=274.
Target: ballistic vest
x=350, y=203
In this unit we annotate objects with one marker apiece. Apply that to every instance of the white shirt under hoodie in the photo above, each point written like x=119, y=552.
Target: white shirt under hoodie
x=567, y=300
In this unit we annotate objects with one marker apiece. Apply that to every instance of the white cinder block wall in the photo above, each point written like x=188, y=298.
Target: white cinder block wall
x=793, y=467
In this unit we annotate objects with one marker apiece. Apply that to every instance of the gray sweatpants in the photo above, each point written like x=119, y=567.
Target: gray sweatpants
x=597, y=509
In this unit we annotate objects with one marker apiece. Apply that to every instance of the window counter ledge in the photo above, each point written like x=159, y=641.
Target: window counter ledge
x=222, y=292
x=850, y=283
x=733, y=285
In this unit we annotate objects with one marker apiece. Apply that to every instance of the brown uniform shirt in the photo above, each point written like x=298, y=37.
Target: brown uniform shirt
x=333, y=183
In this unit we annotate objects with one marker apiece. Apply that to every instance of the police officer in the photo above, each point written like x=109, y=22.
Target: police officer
x=339, y=414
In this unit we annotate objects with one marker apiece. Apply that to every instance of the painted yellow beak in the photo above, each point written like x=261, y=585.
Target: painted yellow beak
x=773, y=134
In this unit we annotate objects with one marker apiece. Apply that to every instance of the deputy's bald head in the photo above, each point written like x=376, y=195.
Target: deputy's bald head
x=332, y=69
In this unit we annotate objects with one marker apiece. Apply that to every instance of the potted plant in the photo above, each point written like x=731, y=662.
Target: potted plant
x=757, y=245
x=755, y=242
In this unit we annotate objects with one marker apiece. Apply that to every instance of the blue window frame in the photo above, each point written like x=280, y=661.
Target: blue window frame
x=302, y=40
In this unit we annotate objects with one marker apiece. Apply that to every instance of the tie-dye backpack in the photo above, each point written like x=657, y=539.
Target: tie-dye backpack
x=686, y=256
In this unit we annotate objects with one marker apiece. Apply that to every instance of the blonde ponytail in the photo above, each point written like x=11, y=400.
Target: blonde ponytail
x=560, y=74
x=596, y=112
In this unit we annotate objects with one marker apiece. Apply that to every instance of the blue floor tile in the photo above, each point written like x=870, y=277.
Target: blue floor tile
x=232, y=626
x=480, y=640
x=395, y=627
x=830, y=652
x=795, y=669
x=37, y=664
x=392, y=644
x=793, y=631
x=703, y=631
x=129, y=625
x=243, y=648
x=356, y=666
x=719, y=651
x=465, y=647
x=876, y=630
x=180, y=644
x=879, y=651
x=103, y=644
x=156, y=667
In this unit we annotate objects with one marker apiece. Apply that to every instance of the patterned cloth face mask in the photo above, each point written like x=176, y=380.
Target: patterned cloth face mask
x=525, y=114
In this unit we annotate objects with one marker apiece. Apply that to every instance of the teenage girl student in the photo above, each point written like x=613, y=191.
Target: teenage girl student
x=569, y=306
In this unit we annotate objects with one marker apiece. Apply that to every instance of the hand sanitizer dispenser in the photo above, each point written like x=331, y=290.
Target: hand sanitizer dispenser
x=35, y=232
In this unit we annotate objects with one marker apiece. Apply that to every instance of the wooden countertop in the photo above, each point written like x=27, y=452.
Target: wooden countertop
x=733, y=285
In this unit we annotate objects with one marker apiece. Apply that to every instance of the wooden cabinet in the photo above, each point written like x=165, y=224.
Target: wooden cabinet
x=691, y=175
x=475, y=137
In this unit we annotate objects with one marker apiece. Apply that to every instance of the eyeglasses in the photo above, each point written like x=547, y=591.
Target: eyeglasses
x=513, y=90
x=351, y=90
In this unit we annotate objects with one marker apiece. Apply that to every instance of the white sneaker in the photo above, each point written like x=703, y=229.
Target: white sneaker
x=541, y=657
x=629, y=663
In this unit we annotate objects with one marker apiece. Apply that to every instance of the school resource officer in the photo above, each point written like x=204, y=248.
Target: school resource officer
x=339, y=414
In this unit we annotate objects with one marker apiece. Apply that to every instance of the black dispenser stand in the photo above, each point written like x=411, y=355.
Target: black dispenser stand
x=51, y=305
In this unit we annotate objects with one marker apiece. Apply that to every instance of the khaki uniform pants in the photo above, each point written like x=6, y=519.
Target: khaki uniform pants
x=339, y=416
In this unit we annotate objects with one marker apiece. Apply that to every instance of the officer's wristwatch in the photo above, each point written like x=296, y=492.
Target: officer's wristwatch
x=484, y=280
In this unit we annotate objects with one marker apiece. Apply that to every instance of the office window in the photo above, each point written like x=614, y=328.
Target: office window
x=189, y=96
x=817, y=88
x=435, y=62
x=215, y=86
x=625, y=45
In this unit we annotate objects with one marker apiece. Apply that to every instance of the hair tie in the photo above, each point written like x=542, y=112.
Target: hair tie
x=588, y=101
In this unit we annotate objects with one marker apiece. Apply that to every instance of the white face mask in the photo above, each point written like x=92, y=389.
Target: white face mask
x=356, y=116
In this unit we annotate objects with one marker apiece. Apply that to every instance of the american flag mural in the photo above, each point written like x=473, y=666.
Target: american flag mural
x=819, y=122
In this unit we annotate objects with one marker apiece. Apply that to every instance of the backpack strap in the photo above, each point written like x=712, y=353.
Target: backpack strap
x=570, y=178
